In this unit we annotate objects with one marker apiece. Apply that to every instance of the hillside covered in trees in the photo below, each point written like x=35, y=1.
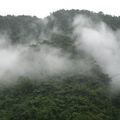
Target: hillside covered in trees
x=46, y=73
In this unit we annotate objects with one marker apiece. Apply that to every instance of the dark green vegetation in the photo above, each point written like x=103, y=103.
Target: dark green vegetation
x=70, y=96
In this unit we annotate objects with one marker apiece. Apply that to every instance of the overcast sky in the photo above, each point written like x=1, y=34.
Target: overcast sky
x=42, y=8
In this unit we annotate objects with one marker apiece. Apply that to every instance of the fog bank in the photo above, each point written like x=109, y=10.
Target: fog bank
x=101, y=42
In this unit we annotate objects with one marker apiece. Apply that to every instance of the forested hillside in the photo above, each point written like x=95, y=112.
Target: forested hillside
x=46, y=74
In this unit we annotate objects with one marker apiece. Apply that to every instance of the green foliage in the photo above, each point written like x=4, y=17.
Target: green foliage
x=74, y=96
x=71, y=96
x=21, y=27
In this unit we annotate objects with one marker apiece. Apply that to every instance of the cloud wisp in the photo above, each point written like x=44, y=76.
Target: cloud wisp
x=101, y=42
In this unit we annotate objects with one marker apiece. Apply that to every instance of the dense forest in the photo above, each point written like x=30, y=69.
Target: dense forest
x=61, y=82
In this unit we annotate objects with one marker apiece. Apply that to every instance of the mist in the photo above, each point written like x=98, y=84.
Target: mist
x=37, y=60
x=102, y=43
x=34, y=59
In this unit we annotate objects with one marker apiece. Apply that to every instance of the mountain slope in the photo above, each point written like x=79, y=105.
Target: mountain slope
x=51, y=78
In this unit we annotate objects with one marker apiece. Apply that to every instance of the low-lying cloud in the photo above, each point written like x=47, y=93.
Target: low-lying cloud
x=101, y=42
x=96, y=39
x=35, y=61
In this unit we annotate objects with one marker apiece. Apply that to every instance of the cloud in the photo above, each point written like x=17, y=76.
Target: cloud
x=101, y=42
x=35, y=61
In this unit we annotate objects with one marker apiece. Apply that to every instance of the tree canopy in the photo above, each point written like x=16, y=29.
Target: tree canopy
x=72, y=95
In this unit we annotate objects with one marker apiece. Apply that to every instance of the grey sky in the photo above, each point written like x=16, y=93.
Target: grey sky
x=42, y=8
